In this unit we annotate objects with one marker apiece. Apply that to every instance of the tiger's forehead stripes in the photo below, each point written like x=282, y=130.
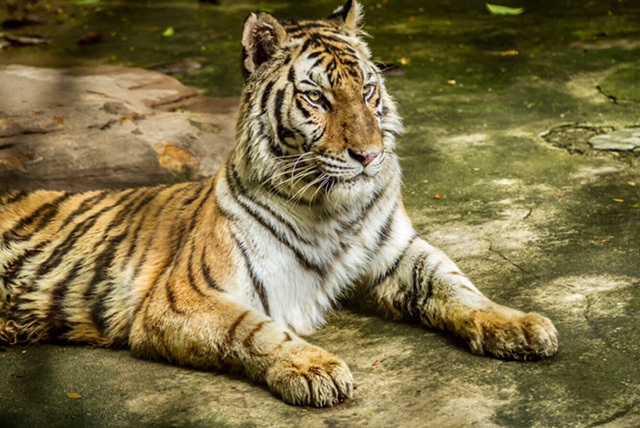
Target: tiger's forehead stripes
x=334, y=59
x=301, y=29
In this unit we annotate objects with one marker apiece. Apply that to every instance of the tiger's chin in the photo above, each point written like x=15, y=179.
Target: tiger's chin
x=348, y=191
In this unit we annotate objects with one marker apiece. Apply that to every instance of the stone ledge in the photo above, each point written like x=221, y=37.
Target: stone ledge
x=86, y=128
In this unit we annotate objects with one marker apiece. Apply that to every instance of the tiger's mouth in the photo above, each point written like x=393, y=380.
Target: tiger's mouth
x=332, y=182
x=307, y=176
x=327, y=183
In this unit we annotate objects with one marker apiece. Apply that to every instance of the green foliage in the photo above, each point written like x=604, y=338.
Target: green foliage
x=495, y=9
x=169, y=32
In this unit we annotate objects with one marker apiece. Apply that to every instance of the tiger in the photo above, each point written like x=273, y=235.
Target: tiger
x=231, y=272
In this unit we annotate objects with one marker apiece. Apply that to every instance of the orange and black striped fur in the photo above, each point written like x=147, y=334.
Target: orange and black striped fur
x=225, y=273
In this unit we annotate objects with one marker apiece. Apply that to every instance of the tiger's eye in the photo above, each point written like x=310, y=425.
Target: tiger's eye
x=314, y=96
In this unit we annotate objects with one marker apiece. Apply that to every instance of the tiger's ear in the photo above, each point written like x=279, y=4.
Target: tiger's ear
x=350, y=15
x=261, y=36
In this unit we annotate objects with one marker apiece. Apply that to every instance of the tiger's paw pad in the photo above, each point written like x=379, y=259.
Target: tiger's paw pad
x=514, y=335
x=312, y=377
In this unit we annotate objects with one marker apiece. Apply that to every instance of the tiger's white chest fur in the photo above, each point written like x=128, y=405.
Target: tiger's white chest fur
x=294, y=267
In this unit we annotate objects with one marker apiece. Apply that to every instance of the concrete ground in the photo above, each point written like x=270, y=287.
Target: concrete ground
x=536, y=217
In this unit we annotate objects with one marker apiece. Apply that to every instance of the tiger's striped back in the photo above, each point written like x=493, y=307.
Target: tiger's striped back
x=77, y=266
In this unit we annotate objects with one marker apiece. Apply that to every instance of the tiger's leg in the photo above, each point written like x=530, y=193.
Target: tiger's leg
x=216, y=332
x=426, y=285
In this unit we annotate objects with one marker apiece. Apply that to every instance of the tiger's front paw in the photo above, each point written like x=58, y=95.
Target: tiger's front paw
x=511, y=334
x=309, y=376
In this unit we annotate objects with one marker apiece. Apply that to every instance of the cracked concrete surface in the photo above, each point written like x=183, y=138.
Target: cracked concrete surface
x=534, y=226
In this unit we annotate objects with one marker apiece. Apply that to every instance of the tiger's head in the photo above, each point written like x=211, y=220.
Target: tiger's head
x=315, y=119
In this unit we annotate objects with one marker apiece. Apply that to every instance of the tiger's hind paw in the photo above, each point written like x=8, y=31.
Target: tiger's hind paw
x=310, y=376
x=511, y=334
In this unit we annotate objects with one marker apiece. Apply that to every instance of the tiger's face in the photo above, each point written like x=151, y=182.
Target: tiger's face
x=324, y=116
x=337, y=114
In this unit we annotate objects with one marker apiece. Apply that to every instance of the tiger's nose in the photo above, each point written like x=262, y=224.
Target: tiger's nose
x=365, y=157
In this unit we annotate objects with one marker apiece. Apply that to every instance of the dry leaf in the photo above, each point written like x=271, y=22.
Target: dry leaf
x=376, y=363
x=73, y=395
x=90, y=38
x=511, y=52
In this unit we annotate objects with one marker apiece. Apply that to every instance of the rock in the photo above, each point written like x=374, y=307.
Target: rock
x=623, y=140
x=107, y=127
